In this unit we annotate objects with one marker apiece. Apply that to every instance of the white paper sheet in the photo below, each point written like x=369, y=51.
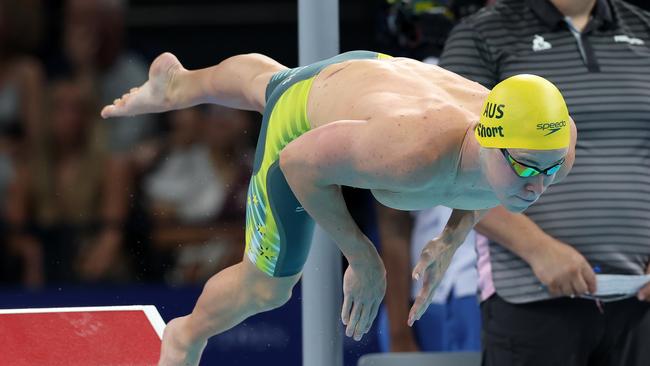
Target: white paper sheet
x=608, y=284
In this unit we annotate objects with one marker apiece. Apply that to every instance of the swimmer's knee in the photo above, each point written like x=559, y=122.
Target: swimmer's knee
x=269, y=300
x=269, y=296
x=265, y=62
x=272, y=292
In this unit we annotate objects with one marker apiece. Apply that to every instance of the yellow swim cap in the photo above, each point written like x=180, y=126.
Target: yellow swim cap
x=524, y=112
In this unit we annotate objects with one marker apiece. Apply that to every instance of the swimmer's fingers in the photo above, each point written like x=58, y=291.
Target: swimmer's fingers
x=362, y=325
x=368, y=315
x=424, y=269
x=426, y=259
x=373, y=315
x=423, y=300
x=431, y=253
x=355, y=315
x=420, y=300
x=347, y=307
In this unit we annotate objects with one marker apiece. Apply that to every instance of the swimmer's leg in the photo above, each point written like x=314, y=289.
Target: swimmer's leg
x=237, y=82
x=228, y=298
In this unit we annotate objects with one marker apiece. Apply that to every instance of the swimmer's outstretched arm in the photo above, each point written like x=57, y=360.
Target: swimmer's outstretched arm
x=436, y=257
x=237, y=82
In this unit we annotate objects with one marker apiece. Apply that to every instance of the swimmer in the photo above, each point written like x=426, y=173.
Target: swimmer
x=414, y=134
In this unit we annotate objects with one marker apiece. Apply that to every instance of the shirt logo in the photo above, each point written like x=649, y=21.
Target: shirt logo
x=300, y=209
x=623, y=38
x=539, y=44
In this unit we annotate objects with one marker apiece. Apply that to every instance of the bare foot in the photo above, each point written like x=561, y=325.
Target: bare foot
x=176, y=349
x=153, y=96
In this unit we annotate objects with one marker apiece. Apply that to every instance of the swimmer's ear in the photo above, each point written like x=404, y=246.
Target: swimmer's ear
x=570, y=156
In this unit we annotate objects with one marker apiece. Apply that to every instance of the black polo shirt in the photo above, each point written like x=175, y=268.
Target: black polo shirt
x=603, y=207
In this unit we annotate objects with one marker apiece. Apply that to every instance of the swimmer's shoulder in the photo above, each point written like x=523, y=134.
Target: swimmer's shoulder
x=441, y=130
x=431, y=138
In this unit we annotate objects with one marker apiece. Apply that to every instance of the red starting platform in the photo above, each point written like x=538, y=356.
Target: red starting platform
x=86, y=336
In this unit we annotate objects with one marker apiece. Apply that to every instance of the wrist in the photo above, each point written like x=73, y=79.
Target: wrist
x=452, y=239
x=363, y=254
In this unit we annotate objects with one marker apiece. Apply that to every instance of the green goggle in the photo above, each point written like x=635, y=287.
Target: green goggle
x=526, y=171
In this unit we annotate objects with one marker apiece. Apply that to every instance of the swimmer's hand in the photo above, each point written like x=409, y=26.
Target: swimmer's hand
x=434, y=261
x=155, y=95
x=364, y=286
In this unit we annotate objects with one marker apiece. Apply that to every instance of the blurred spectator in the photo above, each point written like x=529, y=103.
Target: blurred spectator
x=93, y=35
x=6, y=176
x=21, y=84
x=196, y=190
x=68, y=202
x=21, y=76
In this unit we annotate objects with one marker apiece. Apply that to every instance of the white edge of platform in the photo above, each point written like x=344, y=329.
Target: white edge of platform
x=150, y=311
x=155, y=319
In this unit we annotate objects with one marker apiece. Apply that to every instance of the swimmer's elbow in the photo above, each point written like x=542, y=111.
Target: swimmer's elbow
x=327, y=155
x=289, y=163
x=298, y=166
x=284, y=161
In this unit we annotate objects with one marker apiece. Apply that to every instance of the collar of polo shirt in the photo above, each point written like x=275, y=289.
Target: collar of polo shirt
x=548, y=13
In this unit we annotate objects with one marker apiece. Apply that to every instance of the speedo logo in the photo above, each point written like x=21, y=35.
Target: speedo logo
x=484, y=131
x=493, y=110
x=552, y=127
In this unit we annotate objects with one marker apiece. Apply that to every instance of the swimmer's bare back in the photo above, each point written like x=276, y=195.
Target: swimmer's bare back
x=366, y=89
x=408, y=118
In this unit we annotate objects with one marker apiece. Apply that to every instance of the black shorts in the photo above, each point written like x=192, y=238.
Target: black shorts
x=565, y=332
